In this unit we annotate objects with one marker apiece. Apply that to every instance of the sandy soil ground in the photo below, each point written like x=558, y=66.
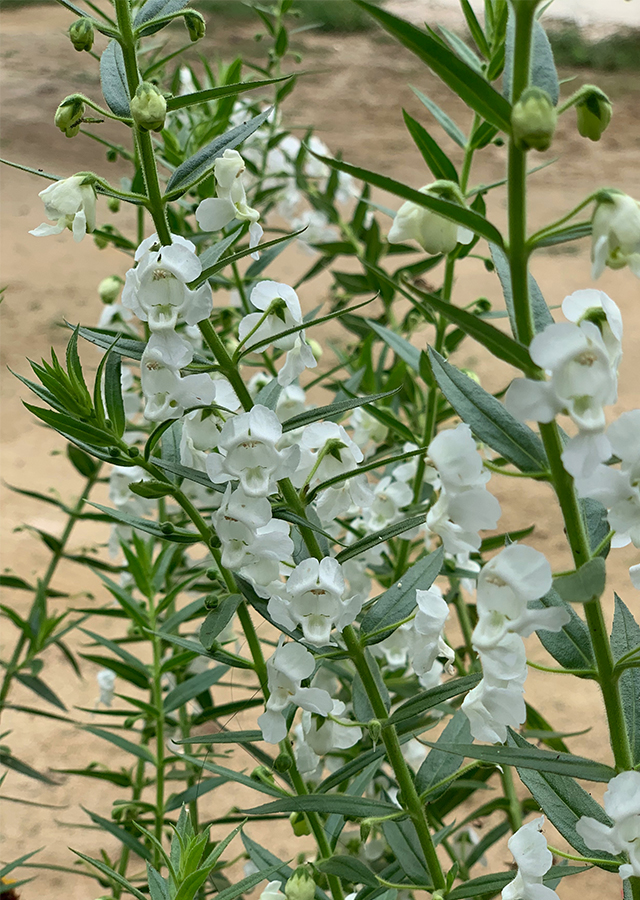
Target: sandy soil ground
x=353, y=99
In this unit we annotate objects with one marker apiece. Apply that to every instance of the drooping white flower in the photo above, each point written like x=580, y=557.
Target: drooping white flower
x=428, y=624
x=291, y=402
x=491, y=707
x=367, y=429
x=615, y=234
x=398, y=648
x=327, y=451
x=432, y=232
x=389, y=497
x=330, y=734
x=622, y=805
x=70, y=203
x=215, y=213
x=287, y=668
x=201, y=428
x=299, y=358
x=534, y=859
x=248, y=452
x=454, y=454
x=279, y=310
x=156, y=290
x=406, y=471
x=313, y=598
x=169, y=394
x=595, y=306
x=457, y=518
x=106, y=679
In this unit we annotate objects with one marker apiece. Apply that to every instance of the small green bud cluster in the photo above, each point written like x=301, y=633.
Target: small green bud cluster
x=69, y=115
x=301, y=885
x=148, y=107
x=533, y=120
x=109, y=289
x=81, y=34
x=594, y=111
x=195, y=24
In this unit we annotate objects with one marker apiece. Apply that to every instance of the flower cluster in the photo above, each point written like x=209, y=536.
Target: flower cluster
x=622, y=805
x=581, y=357
x=517, y=575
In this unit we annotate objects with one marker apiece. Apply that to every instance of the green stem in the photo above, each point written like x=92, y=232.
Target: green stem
x=563, y=482
x=255, y=648
x=226, y=363
x=515, y=810
x=143, y=138
x=160, y=754
x=408, y=795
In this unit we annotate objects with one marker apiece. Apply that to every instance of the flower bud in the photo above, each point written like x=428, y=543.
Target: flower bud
x=375, y=730
x=300, y=885
x=81, y=34
x=68, y=117
x=533, y=120
x=109, y=289
x=594, y=113
x=196, y=25
x=283, y=762
x=113, y=204
x=316, y=348
x=299, y=824
x=148, y=107
x=263, y=774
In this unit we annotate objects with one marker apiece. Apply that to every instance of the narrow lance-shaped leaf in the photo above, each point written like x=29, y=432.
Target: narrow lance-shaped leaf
x=218, y=93
x=434, y=156
x=463, y=80
x=488, y=418
x=625, y=638
x=113, y=78
x=462, y=215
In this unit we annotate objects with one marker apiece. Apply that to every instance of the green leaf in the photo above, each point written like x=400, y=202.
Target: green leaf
x=218, y=93
x=228, y=659
x=539, y=309
x=532, y=758
x=497, y=342
x=436, y=159
x=113, y=393
x=9, y=867
x=218, y=619
x=497, y=541
x=379, y=537
x=154, y=9
x=439, y=765
x=241, y=254
x=152, y=489
x=121, y=779
x=37, y=685
x=12, y=762
x=268, y=395
x=113, y=78
x=563, y=801
x=186, y=472
x=333, y=410
x=488, y=418
x=490, y=885
x=447, y=124
x=400, y=346
x=343, y=804
x=564, y=235
x=224, y=737
x=543, y=73
x=464, y=81
x=158, y=887
x=125, y=838
x=625, y=638
x=198, y=166
x=598, y=528
x=128, y=746
x=246, y=884
x=585, y=584
x=133, y=609
x=571, y=646
x=405, y=846
x=126, y=346
x=349, y=868
x=111, y=875
x=399, y=600
x=232, y=775
x=74, y=428
x=192, y=687
x=433, y=697
x=475, y=29
x=177, y=535
x=464, y=216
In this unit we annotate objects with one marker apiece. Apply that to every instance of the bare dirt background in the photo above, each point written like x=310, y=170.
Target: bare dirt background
x=353, y=99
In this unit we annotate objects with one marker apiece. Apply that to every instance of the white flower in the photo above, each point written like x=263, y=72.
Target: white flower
x=156, y=290
x=458, y=518
x=70, y=203
x=106, y=682
x=491, y=707
x=314, y=599
x=388, y=499
x=215, y=213
x=583, y=381
x=248, y=444
x=287, y=668
x=398, y=648
x=595, y=306
x=201, y=428
x=168, y=394
x=622, y=805
x=291, y=402
x=432, y=232
x=367, y=429
x=330, y=734
x=615, y=234
x=454, y=454
x=280, y=310
x=272, y=891
x=533, y=858
x=299, y=358
x=428, y=623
